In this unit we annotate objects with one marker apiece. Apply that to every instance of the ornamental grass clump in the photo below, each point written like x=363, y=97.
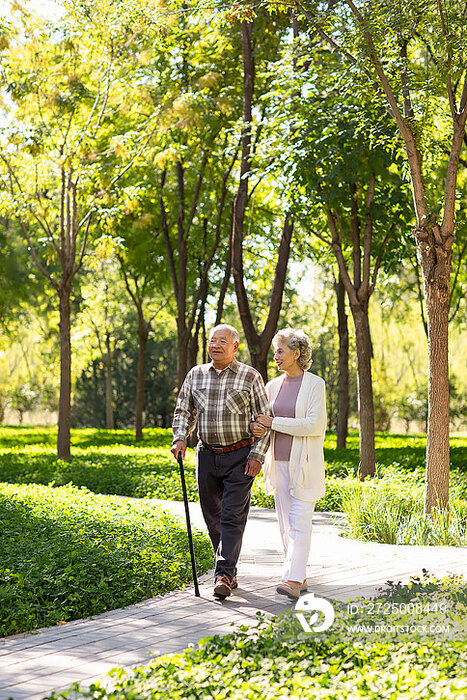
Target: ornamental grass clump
x=391, y=511
x=441, y=527
x=375, y=509
x=66, y=553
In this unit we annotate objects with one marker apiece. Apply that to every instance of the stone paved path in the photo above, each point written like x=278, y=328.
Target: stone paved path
x=32, y=665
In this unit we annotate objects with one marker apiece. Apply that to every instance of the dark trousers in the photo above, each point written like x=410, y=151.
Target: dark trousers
x=224, y=494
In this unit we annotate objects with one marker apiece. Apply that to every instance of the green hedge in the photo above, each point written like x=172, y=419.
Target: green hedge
x=66, y=553
x=127, y=470
x=276, y=659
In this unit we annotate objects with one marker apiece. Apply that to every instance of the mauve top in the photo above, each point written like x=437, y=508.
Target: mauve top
x=284, y=406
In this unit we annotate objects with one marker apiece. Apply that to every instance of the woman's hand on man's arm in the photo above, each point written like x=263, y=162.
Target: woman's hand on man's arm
x=257, y=430
x=263, y=420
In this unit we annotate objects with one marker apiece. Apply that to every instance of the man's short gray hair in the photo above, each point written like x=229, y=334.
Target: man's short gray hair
x=297, y=340
x=235, y=334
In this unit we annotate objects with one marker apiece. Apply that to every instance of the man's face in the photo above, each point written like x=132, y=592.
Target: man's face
x=221, y=348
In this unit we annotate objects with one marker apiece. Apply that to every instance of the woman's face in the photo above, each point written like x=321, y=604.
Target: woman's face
x=284, y=357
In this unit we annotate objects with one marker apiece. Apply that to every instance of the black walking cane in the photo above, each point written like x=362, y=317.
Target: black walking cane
x=188, y=524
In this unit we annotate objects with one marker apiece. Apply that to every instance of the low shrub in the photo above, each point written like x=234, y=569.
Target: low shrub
x=66, y=553
x=419, y=655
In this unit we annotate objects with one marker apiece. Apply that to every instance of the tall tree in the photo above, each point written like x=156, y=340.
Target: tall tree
x=141, y=267
x=412, y=56
x=70, y=139
x=345, y=172
x=193, y=160
x=103, y=309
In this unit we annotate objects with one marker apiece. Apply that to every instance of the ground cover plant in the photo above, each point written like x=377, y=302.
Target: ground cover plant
x=67, y=553
x=416, y=652
x=405, y=452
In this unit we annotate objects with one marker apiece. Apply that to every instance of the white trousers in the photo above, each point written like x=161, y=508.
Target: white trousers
x=295, y=521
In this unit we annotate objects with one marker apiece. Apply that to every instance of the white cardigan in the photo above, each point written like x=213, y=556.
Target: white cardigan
x=308, y=428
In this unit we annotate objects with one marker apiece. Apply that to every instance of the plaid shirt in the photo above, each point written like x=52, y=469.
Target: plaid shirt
x=224, y=404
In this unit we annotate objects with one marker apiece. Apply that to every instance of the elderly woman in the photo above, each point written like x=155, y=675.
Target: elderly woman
x=294, y=465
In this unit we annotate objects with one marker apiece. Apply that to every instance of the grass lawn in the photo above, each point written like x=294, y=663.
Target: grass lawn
x=111, y=462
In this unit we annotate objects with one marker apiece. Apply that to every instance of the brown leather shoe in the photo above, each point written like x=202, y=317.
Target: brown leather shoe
x=222, y=587
x=303, y=586
x=290, y=589
x=234, y=583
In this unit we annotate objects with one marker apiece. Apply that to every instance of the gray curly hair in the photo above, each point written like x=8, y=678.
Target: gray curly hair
x=297, y=340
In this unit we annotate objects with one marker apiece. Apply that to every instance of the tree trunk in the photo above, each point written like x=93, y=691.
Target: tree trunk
x=343, y=388
x=64, y=422
x=225, y=283
x=436, y=266
x=259, y=360
x=434, y=240
x=109, y=407
x=200, y=327
x=193, y=349
x=258, y=343
x=182, y=354
x=359, y=292
x=143, y=334
x=366, y=411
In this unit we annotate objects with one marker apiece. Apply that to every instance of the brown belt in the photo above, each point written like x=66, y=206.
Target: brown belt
x=229, y=448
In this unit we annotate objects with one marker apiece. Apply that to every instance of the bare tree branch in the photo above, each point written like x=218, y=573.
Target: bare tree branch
x=197, y=191
x=321, y=237
x=408, y=108
x=135, y=297
x=441, y=17
x=208, y=262
x=106, y=94
x=83, y=245
x=42, y=223
x=280, y=274
x=355, y=226
x=158, y=310
x=36, y=258
x=463, y=100
x=325, y=36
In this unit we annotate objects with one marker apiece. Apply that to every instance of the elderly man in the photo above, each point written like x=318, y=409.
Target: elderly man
x=223, y=396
